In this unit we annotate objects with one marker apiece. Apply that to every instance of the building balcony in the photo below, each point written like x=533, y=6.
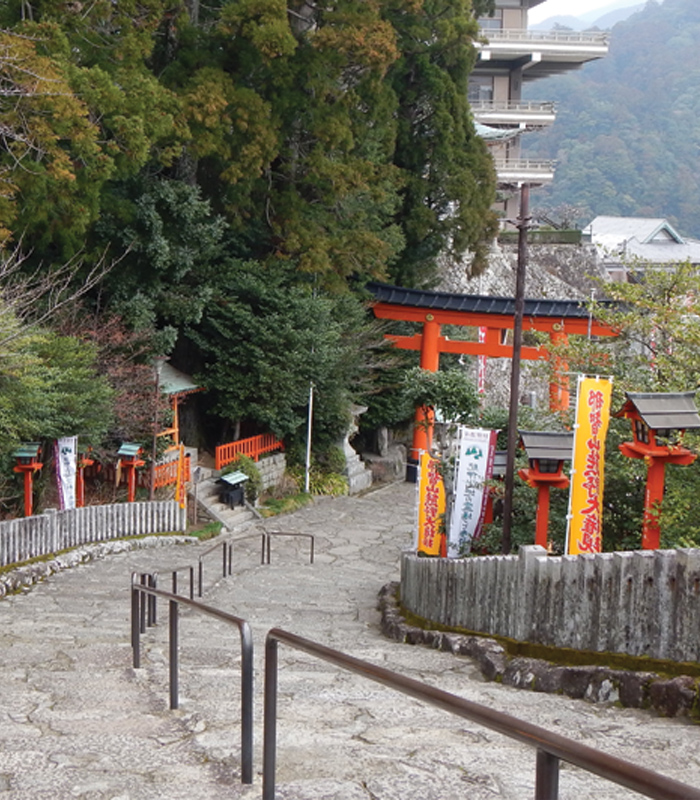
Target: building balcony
x=522, y=114
x=538, y=53
x=516, y=171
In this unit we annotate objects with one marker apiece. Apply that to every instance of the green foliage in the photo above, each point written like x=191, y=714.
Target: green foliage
x=254, y=484
x=451, y=391
x=658, y=321
x=49, y=387
x=321, y=482
x=209, y=531
x=266, y=338
x=626, y=127
x=450, y=184
x=172, y=242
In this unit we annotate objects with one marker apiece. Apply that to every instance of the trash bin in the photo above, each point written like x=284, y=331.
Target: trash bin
x=232, y=489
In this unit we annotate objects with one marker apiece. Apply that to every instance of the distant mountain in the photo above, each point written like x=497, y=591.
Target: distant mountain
x=603, y=18
x=627, y=139
x=629, y=6
x=560, y=21
x=611, y=18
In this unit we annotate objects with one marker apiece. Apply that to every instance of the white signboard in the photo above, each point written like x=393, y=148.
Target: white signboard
x=66, y=467
x=474, y=468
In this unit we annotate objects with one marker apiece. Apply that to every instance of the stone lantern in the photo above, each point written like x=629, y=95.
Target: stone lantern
x=659, y=420
x=547, y=451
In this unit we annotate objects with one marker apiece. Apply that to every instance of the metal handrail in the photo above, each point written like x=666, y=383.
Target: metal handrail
x=141, y=593
x=270, y=534
x=551, y=748
x=262, y=534
x=227, y=561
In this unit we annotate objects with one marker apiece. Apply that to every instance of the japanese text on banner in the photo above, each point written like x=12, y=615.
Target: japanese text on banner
x=584, y=534
x=431, y=507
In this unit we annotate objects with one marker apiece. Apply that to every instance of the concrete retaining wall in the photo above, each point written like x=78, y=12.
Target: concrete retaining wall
x=644, y=603
x=272, y=469
x=22, y=539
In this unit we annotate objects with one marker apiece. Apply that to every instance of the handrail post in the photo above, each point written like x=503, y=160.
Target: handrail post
x=547, y=776
x=191, y=583
x=262, y=553
x=174, y=665
x=201, y=569
x=313, y=543
x=247, y=671
x=174, y=584
x=135, y=623
x=230, y=558
x=153, y=583
x=270, y=720
x=223, y=550
x=142, y=604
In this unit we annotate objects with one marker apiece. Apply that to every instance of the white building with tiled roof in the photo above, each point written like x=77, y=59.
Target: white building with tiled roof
x=627, y=243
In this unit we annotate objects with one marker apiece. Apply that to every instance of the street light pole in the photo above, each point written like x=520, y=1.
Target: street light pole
x=523, y=225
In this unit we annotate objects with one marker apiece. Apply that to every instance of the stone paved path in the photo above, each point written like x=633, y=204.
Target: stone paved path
x=77, y=722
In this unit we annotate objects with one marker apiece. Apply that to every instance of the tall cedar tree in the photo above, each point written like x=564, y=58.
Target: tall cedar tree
x=335, y=136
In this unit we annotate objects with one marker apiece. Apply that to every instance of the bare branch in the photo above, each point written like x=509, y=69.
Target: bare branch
x=35, y=298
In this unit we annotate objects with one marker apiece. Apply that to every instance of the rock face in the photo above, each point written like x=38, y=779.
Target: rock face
x=554, y=271
x=358, y=474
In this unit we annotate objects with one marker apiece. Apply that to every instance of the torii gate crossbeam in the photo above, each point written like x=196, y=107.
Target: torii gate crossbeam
x=432, y=310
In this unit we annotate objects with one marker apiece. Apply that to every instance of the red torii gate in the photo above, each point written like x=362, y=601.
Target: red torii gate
x=557, y=318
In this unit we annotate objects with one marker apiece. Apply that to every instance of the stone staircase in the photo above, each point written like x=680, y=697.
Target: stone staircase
x=206, y=496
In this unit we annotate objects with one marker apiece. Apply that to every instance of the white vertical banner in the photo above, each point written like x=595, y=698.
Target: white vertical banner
x=474, y=468
x=66, y=469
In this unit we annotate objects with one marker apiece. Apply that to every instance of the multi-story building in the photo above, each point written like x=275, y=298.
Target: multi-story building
x=509, y=56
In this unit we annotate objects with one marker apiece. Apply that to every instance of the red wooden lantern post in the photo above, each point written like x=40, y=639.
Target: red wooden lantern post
x=28, y=456
x=546, y=452
x=129, y=454
x=83, y=461
x=656, y=418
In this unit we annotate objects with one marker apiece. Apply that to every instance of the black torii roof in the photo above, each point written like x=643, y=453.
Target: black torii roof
x=548, y=444
x=473, y=303
x=663, y=410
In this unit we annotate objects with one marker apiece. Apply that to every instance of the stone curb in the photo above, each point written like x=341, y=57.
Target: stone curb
x=673, y=697
x=21, y=578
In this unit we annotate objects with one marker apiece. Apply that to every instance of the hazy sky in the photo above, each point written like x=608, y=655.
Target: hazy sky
x=570, y=7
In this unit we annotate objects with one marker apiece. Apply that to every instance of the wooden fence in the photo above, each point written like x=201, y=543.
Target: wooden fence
x=641, y=603
x=44, y=534
x=253, y=447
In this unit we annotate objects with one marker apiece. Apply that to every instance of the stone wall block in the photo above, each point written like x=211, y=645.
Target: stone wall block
x=643, y=602
x=590, y=603
x=673, y=697
x=688, y=600
x=527, y=601
x=607, y=605
x=570, y=619
x=666, y=602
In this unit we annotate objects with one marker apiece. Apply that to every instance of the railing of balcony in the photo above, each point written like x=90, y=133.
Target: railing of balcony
x=523, y=165
x=520, y=106
x=558, y=37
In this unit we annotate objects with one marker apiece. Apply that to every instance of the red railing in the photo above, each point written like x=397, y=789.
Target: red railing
x=166, y=474
x=253, y=448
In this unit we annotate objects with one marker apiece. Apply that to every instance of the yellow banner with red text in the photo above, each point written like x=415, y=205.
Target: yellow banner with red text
x=431, y=508
x=584, y=533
